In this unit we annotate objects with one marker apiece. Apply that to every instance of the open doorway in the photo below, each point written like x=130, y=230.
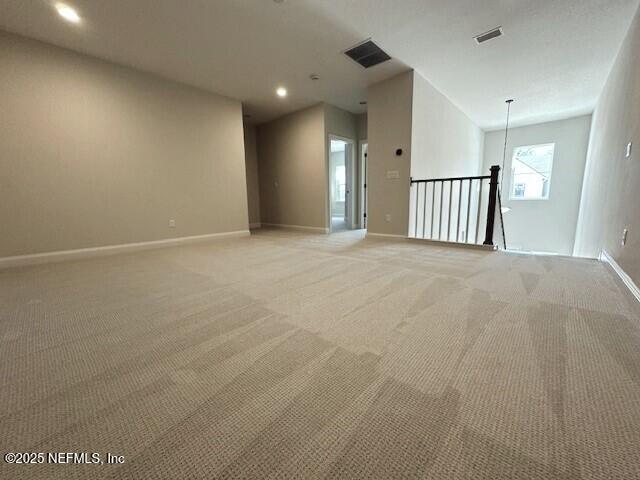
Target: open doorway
x=341, y=179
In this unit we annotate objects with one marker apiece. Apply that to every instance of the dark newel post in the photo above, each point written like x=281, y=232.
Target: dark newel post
x=491, y=212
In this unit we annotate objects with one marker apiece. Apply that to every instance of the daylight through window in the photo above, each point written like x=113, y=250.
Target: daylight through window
x=531, y=172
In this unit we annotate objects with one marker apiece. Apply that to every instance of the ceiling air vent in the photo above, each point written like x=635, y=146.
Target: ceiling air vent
x=496, y=32
x=367, y=54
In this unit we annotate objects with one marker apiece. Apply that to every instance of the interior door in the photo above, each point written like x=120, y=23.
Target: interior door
x=364, y=184
x=348, y=203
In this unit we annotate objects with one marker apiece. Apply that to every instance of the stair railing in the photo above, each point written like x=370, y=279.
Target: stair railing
x=455, y=209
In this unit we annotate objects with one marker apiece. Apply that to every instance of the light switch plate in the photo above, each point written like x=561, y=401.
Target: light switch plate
x=172, y=223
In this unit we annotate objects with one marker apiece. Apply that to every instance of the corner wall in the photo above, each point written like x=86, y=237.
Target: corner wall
x=94, y=154
x=437, y=139
x=389, y=128
x=611, y=181
x=294, y=164
x=251, y=164
x=293, y=169
x=361, y=120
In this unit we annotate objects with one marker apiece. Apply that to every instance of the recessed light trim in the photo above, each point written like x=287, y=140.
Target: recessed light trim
x=281, y=92
x=314, y=76
x=68, y=13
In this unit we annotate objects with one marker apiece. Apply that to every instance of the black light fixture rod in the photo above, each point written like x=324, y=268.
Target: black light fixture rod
x=506, y=133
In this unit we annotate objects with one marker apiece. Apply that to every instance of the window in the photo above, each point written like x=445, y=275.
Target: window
x=341, y=183
x=531, y=172
x=518, y=190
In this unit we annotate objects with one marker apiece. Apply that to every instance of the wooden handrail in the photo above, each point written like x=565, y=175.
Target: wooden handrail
x=451, y=179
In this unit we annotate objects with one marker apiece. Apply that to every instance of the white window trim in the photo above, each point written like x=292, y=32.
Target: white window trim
x=553, y=161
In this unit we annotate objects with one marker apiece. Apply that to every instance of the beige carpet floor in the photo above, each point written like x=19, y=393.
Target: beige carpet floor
x=288, y=355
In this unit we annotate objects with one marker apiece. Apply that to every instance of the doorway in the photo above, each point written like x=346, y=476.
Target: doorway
x=341, y=178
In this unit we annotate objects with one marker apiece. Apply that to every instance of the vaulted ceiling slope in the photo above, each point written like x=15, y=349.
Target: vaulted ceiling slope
x=553, y=58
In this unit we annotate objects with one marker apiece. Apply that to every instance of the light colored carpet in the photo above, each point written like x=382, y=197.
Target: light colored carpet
x=289, y=355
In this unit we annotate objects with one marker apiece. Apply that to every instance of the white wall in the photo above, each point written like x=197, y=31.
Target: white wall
x=444, y=141
x=95, y=154
x=610, y=196
x=437, y=139
x=544, y=225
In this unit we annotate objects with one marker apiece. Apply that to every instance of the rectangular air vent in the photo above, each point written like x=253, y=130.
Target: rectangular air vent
x=496, y=32
x=367, y=54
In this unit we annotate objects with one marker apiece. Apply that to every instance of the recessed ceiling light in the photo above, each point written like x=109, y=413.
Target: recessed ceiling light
x=314, y=76
x=281, y=92
x=67, y=13
x=278, y=1
x=363, y=103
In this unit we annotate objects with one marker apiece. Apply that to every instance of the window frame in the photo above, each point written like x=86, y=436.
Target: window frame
x=513, y=183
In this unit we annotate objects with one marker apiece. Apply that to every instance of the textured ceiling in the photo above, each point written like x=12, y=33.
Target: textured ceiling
x=553, y=58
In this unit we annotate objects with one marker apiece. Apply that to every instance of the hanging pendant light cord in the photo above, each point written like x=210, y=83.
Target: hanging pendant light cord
x=506, y=133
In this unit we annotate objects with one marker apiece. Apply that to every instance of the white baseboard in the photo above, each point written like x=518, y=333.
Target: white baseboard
x=442, y=243
x=626, y=279
x=445, y=243
x=300, y=228
x=385, y=235
x=62, y=255
x=253, y=226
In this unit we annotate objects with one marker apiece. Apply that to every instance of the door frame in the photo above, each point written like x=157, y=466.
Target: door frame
x=362, y=182
x=350, y=168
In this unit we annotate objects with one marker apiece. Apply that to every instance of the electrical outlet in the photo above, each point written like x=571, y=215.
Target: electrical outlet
x=172, y=223
x=629, y=147
x=624, y=237
x=387, y=217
